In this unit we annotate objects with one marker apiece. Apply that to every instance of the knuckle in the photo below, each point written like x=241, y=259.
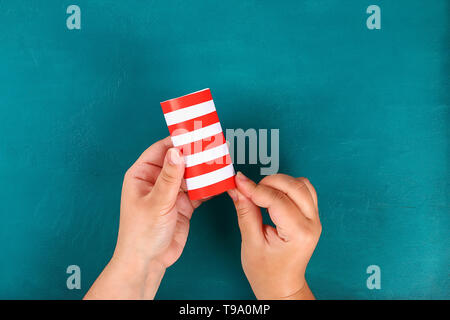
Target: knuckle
x=167, y=178
x=243, y=211
x=267, y=179
x=308, y=235
x=299, y=185
x=278, y=195
x=135, y=170
x=303, y=180
x=128, y=173
x=183, y=222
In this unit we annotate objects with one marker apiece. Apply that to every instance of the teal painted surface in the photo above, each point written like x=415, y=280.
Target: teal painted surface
x=364, y=114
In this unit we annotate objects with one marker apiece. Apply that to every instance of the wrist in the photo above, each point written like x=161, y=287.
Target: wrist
x=304, y=293
x=287, y=291
x=155, y=273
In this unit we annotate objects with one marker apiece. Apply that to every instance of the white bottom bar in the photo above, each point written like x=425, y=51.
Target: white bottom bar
x=210, y=178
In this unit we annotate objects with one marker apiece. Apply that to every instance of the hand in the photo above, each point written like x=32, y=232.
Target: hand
x=275, y=259
x=154, y=224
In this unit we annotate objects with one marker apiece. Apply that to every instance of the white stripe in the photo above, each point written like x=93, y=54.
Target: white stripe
x=189, y=113
x=196, y=135
x=210, y=178
x=205, y=156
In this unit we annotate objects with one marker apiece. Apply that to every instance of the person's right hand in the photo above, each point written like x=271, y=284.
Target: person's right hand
x=275, y=259
x=155, y=211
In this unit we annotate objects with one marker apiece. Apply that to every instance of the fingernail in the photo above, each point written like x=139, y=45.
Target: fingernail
x=241, y=177
x=174, y=156
x=233, y=194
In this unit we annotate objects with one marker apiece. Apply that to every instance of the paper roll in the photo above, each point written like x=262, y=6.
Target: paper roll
x=195, y=129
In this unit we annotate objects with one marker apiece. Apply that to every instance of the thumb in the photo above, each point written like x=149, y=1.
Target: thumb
x=165, y=191
x=249, y=217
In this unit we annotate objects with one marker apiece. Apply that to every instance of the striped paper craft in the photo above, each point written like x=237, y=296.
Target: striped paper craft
x=195, y=129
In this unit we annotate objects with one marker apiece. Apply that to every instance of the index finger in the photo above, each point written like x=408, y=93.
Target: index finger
x=296, y=189
x=282, y=210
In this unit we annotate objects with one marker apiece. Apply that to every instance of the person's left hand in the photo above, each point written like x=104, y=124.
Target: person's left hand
x=154, y=224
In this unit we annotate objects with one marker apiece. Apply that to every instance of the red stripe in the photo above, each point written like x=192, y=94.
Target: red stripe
x=193, y=124
x=202, y=145
x=186, y=101
x=206, y=167
x=213, y=189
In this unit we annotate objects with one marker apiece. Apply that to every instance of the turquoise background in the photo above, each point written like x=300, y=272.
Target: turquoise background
x=364, y=114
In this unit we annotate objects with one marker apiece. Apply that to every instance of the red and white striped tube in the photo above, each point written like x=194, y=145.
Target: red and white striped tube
x=195, y=129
